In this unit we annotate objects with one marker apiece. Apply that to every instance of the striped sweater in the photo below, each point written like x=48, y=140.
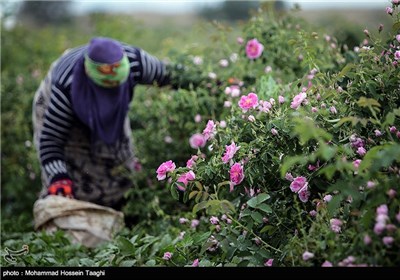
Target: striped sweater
x=59, y=117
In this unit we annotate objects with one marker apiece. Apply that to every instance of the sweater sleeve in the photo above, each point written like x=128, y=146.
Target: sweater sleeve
x=57, y=122
x=153, y=70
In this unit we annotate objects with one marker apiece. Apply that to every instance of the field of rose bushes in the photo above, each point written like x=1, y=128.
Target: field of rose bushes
x=278, y=146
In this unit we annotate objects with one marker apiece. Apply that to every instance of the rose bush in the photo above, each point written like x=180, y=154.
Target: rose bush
x=305, y=172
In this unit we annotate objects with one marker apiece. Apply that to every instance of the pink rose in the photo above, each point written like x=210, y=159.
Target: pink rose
x=254, y=49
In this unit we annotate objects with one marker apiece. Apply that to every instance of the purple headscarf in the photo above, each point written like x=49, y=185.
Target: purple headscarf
x=102, y=109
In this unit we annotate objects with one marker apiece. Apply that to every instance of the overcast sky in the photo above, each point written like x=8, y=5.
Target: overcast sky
x=181, y=6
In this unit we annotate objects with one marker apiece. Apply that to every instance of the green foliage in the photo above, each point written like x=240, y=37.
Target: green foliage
x=340, y=144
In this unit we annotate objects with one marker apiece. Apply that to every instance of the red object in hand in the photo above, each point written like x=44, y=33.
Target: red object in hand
x=61, y=187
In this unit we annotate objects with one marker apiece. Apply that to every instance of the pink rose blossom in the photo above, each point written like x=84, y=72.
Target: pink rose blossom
x=168, y=139
x=327, y=198
x=195, y=263
x=249, y=101
x=197, y=60
x=307, y=255
x=224, y=63
x=397, y=55
x=212, y=75
x=185, y=178
x=222, y=124
x=164, y=168
x=357, y=163
x=304, y=194
x=391, y=228
x=230, y=151
x=298, y=183
x=281, y=99
x=197, y=140
x=194, y=223
x=192, y=161
x=313, y=213
x=382, y=210
x=371, y=185
x=326, y=264
x=227, y=104
x=167, y=256
x=265, y=106
x=391, y=193
x=379, y=228
x=336, y=225
x=398, y=217
x=269, y=262
x=297, y=100
x=236, y=175
x=367, y=239
x=388, y=240
x=214, y=220
x=197, y=118
x=381, y=218
x=361, y=151
x=254, y=49
x=210, y=130
x=311, y=167
x=289, y=177
x=392, y=129
x=378, y=133
x=235, y=90
x=389, y=10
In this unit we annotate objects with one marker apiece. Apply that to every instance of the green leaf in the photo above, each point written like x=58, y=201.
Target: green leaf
x=288, y=162
x=390, y=117
x=246, y=212
x=257, y=217
x=268, y=228
x=199, y=206
x=174, y=192
x=201, y=238
x=125, y=246
x=346, y=69
x=150, y=263
x=327, y=152
x=198, y=185
x=367, y=102
x=227, y=206
x=396, y=27
x=192, y=194
x=328, y=170
x=380, y=156
x=333, y=205
x=127, y=263
x=224, y=183
x=265, y=208
x=353, y=120
x=253, y=202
